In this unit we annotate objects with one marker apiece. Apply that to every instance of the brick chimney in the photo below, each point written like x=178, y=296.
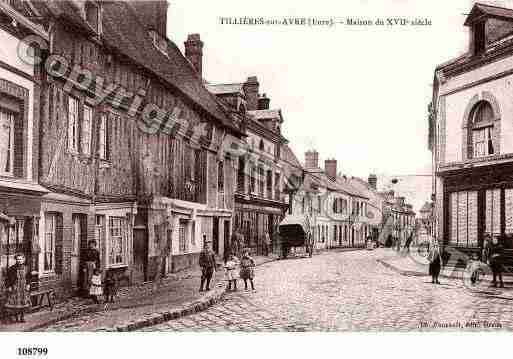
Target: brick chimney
x=311, y=159
x=251, y=87
x=330, y=167
x=194, y=52
x=263, y=102
x=152, y=14
x=373, y=181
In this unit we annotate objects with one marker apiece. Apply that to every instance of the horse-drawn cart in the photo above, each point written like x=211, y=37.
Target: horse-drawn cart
x=295, y=232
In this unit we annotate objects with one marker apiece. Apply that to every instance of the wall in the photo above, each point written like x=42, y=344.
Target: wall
x=9, y=55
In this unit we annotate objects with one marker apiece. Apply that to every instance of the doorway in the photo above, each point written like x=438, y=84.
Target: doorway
x=78, y=244
x=226, y=236
x=215, y=235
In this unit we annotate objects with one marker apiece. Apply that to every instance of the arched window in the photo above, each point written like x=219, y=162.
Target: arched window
x=261, y=145
x=482, y=130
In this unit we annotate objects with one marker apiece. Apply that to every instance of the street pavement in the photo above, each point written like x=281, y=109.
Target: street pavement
x=341, y=291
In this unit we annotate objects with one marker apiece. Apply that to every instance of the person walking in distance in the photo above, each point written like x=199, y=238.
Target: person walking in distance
x=495, y=260
x=247, y=265
x=207, y=262
x=435, y=261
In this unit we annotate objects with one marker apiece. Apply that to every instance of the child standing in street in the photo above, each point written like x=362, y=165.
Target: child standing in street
x=231, y=274
x=96, y=290
x=110, y=287
x=247, y=265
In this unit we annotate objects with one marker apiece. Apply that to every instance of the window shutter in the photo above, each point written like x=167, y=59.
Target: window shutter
x=59, y=248
x=108, y=136
x=18, y=145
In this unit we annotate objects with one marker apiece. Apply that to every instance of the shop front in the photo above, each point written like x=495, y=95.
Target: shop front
x=478, y=202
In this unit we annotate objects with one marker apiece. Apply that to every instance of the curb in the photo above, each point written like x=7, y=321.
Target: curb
x=407, y=273
x=149, y=320
x=199, y=305
x=210, y=299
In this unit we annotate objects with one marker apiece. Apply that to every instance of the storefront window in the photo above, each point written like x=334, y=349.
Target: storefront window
x=463, y=219
x=6, y=142
x=117, y=241
x=49, y=242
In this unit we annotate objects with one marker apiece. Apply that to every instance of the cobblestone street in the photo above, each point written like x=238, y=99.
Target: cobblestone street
x=347, y=291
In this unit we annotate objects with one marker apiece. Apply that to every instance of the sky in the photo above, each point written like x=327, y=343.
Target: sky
x=355, y=93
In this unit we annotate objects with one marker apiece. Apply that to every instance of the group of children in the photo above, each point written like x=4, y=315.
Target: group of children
x=247, y=265
x=108, y=290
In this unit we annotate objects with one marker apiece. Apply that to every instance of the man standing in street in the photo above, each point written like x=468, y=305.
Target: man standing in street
x=207, y=262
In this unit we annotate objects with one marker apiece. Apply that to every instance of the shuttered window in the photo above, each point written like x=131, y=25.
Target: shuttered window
x=73, y=124
x=85, y=135
x=6, y=142
x=492, y=211
x=463, y=219
x=102, y=138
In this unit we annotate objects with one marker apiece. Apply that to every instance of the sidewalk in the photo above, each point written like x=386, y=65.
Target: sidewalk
x=408, y=266
x=135, y=307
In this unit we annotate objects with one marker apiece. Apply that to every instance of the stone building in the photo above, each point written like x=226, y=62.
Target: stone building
x=470, y=139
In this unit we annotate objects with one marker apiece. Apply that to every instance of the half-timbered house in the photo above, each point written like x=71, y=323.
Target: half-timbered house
x=259, y=205
x=20, y=86
x=120, y=151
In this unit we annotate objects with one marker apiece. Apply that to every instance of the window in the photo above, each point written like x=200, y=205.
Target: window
x=277, y=186
x=98, y=229
x=241, y=175
x=72, y=125
x=463, y=218
x=269, y=184
x=6, y=142
x=85, y=136
x=182, y=238
x=261, y=181
x=102, y=138
x=49, y=242
x=261, y=145
x=252, y=182
x=479, y=37
x=493, y=212
x=92, y=15
x=482, y=130
x=220, y=176
x=117, y=248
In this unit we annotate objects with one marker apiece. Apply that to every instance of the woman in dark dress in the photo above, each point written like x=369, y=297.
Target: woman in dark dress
x=495, y=259
x=435, y=261
x=18, y=289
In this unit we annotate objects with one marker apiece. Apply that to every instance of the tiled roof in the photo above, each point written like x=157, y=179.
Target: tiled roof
x=221, y=89
x=490, y=10
x=289, y=156
x=266, y=114
x=123, y=32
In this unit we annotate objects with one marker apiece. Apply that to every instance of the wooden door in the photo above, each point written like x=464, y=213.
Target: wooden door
x=215, y=235
x=226, y=238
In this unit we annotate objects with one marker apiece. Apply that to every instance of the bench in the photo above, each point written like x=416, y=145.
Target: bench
x=38, y=299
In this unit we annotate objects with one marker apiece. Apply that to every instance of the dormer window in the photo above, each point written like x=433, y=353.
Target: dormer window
x=159, y=41
x=92, y=15
x=479, y=31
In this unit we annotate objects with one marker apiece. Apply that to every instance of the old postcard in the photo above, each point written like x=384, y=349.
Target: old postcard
x=255, y=166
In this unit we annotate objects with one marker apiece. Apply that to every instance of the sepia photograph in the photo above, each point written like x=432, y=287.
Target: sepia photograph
x=252, y=167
